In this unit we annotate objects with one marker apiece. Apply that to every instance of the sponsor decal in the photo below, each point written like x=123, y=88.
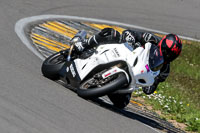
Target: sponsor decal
x=107, y=75
x=110, y=72
x=72, y=70
x=67, y=69
x=116, y=52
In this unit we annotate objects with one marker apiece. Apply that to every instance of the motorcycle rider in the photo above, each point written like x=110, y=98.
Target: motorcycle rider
x=170, y=47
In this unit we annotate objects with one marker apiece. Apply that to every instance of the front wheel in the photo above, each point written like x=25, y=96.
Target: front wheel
x=52, y=65
x=120, y=100
x=94, y=88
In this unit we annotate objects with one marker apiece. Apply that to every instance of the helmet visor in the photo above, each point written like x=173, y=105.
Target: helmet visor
x=155, y=58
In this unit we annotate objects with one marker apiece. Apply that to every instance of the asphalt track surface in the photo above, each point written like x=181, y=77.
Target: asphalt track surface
x=30, y=103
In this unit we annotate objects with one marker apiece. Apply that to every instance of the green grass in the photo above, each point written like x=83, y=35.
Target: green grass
x=178, y=97
x=185, y=74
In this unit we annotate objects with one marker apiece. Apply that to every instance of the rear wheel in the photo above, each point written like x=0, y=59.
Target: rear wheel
x=120, y=100
x=95, y=87
x=52, y=65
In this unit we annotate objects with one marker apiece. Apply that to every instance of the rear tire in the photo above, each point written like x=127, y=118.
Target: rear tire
x=103, y=90
x=120, y=100
x=52, y=65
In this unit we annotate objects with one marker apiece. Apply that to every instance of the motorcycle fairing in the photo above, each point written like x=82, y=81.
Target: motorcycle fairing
x=142, y=74
x=70, y=73
x=105, y=54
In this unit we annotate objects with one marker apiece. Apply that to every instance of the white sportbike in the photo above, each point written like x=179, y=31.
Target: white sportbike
x=115, y=70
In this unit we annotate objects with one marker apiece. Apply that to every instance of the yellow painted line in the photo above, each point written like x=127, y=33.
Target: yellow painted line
x=46, y=45
x=45, y=42
x=120, y=29
x=71, y=32
x=134, y=102
x=186, y=41
x=160, y=35
x=69, y=29
x=56, y=28
x=65, y=27
x=98, y=26
x=61, y=30
x=49, y=41
x=102, y=26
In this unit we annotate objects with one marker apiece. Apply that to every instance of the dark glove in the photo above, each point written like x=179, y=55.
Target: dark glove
x=105, y=36
x=79, y=46
x=148, y=37
x=108, y=35
x=128, y=36
x=149, y=90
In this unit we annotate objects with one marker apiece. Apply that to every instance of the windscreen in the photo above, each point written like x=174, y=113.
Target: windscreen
x=155, y=58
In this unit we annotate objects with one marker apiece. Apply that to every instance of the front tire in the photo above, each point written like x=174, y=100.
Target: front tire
x=120, y=100
x=52, y=65
x=95, y=91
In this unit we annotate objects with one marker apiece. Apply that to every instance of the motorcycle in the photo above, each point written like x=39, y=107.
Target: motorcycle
x=115, y=70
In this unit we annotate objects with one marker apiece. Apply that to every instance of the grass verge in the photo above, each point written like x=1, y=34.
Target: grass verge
x=178, y=97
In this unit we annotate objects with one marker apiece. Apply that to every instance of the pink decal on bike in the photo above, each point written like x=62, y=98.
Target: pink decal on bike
x=147, y=67
x=107, y=75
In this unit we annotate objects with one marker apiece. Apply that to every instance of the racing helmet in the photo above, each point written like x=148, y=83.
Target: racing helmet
x=170, y=46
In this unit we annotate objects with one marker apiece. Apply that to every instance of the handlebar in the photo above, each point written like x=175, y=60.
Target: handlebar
x=80, y=36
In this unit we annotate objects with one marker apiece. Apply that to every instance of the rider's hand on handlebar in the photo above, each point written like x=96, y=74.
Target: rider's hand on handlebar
x=79, y=47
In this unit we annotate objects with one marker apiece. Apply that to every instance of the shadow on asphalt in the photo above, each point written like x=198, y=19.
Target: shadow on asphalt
x=133, y=115
x=162, y=126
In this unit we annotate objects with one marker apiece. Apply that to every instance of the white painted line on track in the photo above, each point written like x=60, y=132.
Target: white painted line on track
x=43, y=17
x=22, y=23
x=19, y=29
